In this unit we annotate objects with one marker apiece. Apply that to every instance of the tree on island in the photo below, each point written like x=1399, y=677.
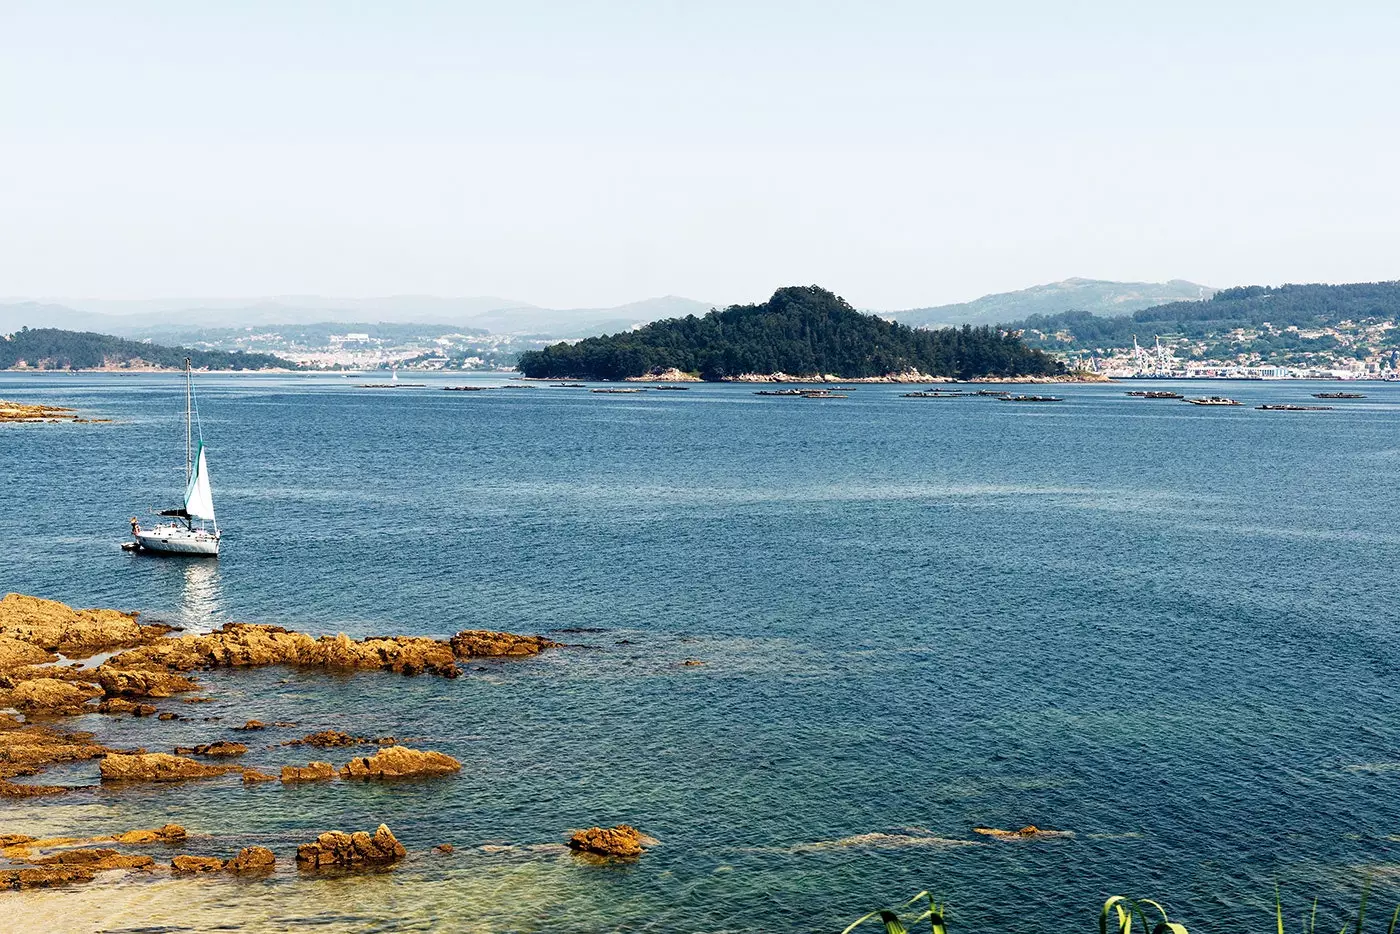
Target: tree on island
x=801, y=331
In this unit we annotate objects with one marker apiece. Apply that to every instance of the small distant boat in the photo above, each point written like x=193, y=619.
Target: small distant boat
x=1154, y=394
x=392, y=384
x=1338, y=395
x=1214, y=400
x=1294, y=408
x=1009, y=398
x=182, y=537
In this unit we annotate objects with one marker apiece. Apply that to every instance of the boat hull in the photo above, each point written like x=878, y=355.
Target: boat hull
x=179, y=541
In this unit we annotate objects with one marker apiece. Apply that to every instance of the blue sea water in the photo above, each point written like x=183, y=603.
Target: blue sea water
x=1170, y=630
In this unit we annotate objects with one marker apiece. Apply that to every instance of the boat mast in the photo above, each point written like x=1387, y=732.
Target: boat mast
x=189, y=410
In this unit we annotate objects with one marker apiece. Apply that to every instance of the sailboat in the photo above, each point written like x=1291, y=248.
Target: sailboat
x=182, y=536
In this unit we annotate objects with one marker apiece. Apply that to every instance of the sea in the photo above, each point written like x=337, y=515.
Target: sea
x=1168, y=631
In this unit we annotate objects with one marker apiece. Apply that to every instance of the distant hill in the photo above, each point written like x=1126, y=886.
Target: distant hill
x=801, y=330
x=1096, y=296
x=1284, y=306
x=166, y=317
x=53, y=349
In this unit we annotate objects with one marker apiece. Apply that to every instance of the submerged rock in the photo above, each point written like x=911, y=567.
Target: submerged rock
x=623, y=840
x=97, y=860
x=170, y=833
x=311, y=772
x=157, y=767
x=252, y=859
x=328, y=739
x=26, y=749
x=400, y=762
x=253, y=776
x=219, y=748
x=44, y=877
x=1027, y=832
x=196, y=864
x=335, y=849
x=252, y=725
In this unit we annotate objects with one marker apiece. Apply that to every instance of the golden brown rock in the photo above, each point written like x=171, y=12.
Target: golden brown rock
x=623, y=841
x=123, y=682
x=14, y=839
x=252, y=859
x=311, y=772
x=157, y=767
x=44, y=877
x=57, y=627
x=98, y=860
x=15, y=653
x=482, y=643
x=196, y=864
x=335, y=849
x=253, y=776
x=170, y=833
x=400, y=762
x=51, y=694
x=252, y=725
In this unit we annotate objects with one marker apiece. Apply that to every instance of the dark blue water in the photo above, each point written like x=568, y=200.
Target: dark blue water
x=1168, y=629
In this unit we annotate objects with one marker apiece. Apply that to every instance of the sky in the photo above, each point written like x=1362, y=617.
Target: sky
x=590, y=153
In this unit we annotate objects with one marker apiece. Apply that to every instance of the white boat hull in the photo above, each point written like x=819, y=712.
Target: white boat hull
x=178, y=540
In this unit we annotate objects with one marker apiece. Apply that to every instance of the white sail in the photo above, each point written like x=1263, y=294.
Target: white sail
x=199, y=499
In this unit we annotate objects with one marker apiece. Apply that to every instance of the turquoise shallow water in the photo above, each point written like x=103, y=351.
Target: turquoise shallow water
x=1170, y=630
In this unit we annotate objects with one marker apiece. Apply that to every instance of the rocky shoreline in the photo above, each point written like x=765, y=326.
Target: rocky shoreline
x=43, y=680
x=25, y=413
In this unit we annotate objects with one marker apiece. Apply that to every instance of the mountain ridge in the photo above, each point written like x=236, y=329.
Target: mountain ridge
x=1096, y=296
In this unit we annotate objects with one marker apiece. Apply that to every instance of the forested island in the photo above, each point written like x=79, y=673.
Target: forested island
x=54, y=349
x=800, y=331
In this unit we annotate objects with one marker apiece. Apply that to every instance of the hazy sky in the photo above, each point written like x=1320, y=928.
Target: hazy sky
x=591, y=153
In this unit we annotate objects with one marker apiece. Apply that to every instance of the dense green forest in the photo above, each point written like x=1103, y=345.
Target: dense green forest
x=52, y=349
x=1301, y=306
x=801, y=331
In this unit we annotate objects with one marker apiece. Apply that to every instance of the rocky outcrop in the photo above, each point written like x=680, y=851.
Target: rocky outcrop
x=170, y=833
x=117, y=681
x=52, y=695
x=56, y=627
x=120, y=705
x=26, y=749
x=400, y=762
x=623, y=841
x=15, y=653
x=215, y=749
x=246, y=645
x=335, y=849
x=252, y=859
x=253, y=776
x=482, y=643
x=193, y=864
x=157, y=767
x=252, y=725
x=311, y=772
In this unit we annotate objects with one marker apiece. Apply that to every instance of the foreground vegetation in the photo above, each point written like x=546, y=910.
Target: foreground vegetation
x=800, y=331
x=53, y=349
x=1118, y=915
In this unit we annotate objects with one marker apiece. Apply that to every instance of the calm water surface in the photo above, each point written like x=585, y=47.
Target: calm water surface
x=1168, y=629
